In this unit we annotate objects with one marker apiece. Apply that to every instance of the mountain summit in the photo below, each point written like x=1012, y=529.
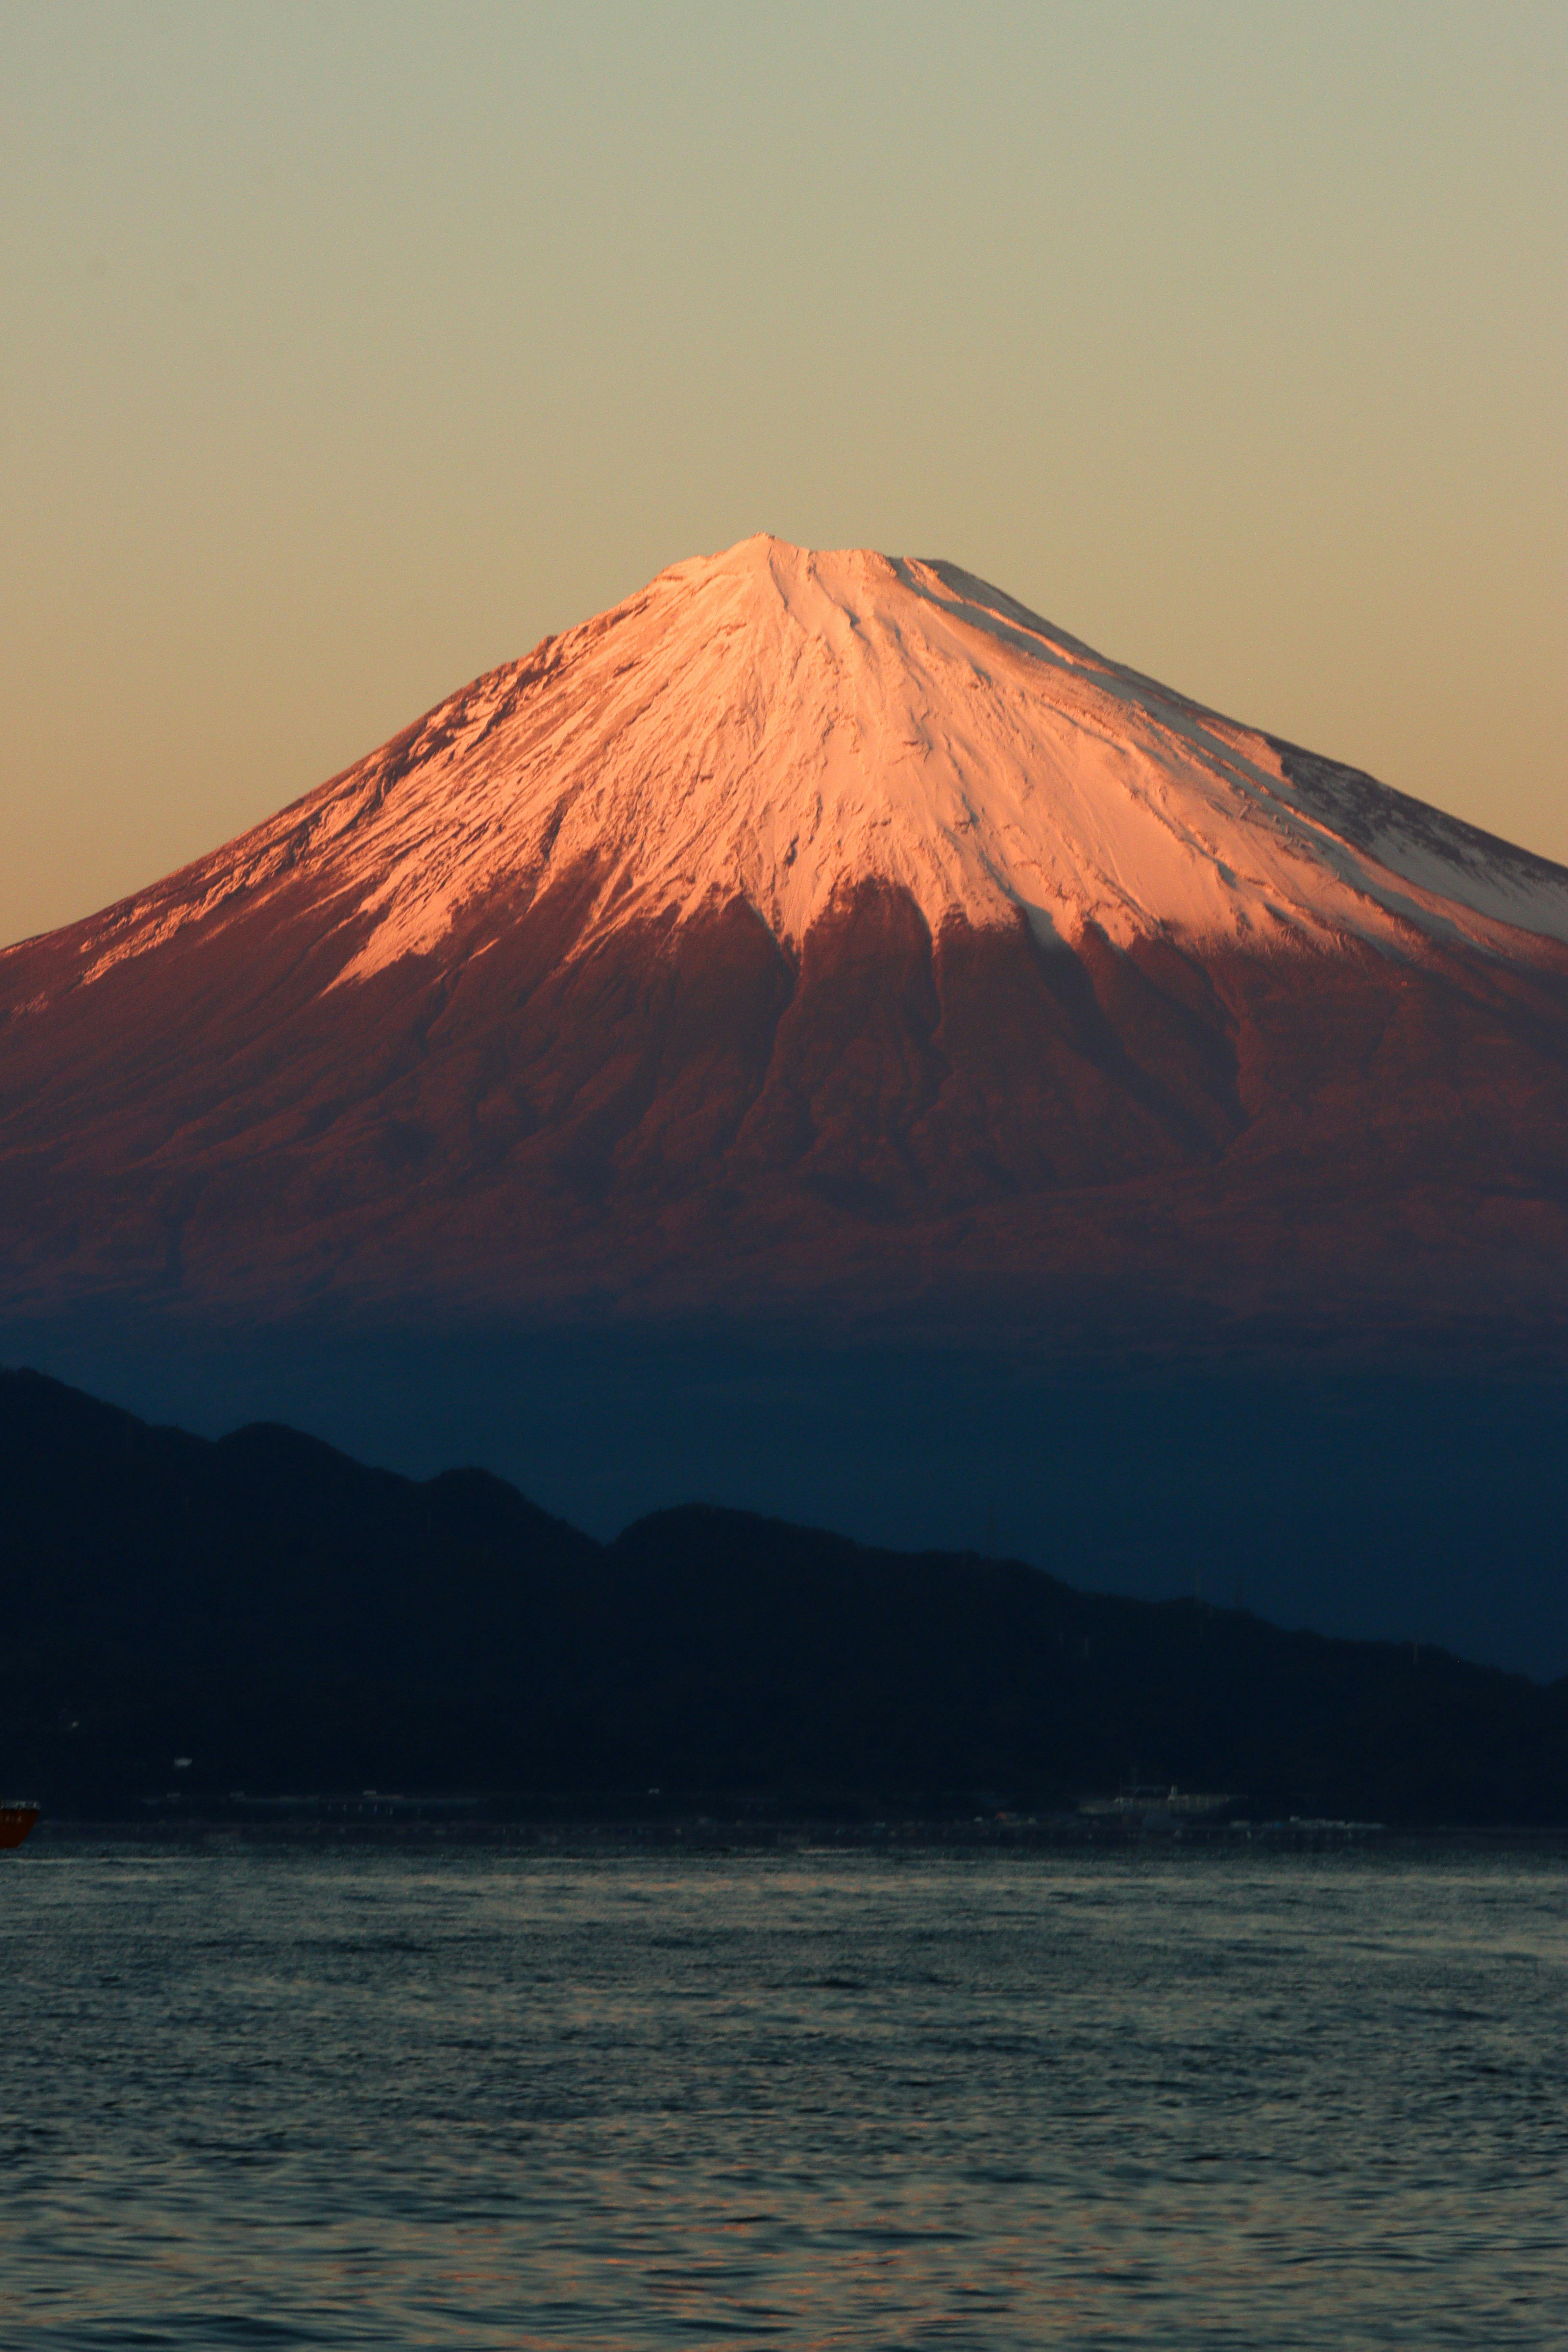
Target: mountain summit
x=779, y=728
x=817, y=934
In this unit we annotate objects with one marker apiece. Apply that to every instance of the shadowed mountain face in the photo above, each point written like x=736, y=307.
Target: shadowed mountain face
x=688, y=1118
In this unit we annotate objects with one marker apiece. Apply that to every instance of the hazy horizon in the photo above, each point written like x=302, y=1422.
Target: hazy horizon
x=348, y=355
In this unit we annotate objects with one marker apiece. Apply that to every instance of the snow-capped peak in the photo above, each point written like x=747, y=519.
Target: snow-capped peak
x=778, y=725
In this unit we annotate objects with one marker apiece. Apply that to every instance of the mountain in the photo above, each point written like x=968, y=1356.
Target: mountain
x=289, y=1623
x=819, y=1037
x=813, y=934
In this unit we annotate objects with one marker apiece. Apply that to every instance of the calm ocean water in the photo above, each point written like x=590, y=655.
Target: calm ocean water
x=276, y=2096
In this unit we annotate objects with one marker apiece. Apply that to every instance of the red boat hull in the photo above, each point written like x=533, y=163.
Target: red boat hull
x=17, y=1822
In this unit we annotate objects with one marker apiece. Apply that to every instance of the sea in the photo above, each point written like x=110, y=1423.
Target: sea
x=265, y=2093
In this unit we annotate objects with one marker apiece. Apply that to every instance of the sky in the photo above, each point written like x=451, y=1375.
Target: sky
x=347, y=351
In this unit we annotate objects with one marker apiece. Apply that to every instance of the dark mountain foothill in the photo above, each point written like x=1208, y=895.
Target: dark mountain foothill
x=289, y=1622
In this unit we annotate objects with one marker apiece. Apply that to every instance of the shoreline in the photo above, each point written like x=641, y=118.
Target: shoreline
x=719, y=1835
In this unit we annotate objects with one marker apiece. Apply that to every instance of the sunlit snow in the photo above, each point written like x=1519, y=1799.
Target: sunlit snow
x=779, y=726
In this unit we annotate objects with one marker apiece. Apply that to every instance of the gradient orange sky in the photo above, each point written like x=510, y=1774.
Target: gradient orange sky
x=345, y=352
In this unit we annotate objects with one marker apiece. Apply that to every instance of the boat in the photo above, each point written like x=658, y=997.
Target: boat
x=18, y=1817
x=1158, y=1804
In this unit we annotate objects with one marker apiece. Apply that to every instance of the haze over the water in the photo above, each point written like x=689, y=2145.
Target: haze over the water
x=347, y=353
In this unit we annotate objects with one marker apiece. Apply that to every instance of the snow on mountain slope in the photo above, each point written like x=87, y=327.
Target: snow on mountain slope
x=775, y=726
